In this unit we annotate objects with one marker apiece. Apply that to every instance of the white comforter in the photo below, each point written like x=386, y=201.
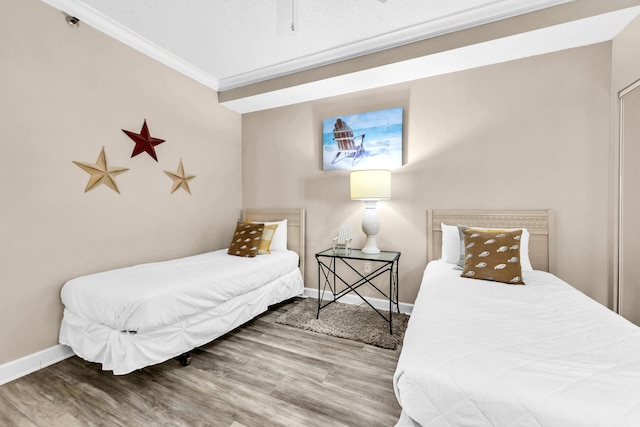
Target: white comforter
x=146, y=296
x=479, y=353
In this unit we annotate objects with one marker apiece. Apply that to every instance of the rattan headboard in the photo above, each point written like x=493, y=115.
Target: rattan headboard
x=295, y=226
x=540, y=224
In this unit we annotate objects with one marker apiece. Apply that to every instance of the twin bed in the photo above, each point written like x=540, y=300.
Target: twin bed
x=129, y=318
x=484, y=353
x=476, y=352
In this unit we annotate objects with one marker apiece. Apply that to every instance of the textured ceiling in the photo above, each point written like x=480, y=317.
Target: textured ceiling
x=239, y=41
x=232, y=44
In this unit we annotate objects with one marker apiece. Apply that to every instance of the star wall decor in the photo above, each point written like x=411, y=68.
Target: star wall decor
x=180, y=179
x=144, y=142
x=101, y=173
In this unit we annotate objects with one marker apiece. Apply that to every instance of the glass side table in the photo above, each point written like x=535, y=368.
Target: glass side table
x=385, y=262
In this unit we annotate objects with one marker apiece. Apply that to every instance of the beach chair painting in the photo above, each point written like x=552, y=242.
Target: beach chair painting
x=370, y=140
x=348, y=144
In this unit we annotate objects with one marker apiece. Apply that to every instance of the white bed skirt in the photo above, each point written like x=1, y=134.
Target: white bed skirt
x=123, y=352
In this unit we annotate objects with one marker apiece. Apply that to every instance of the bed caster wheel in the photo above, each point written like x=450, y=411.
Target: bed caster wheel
x=185, y=359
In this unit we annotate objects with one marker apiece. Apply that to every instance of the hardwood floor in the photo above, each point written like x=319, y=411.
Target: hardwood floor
x=261, y=374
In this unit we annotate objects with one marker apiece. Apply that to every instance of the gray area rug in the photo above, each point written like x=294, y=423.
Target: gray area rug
x=355, y=322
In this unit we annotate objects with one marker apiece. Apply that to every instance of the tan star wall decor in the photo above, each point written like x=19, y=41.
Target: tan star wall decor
x=180, y=179
x=101, y=173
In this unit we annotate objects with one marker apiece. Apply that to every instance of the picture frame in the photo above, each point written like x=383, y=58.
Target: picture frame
x=370, y=140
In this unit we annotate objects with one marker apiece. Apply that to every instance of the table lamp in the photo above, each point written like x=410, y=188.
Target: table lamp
x=370, y=186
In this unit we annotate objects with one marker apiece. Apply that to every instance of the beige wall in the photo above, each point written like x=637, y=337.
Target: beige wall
x=65, y=93
x=527, y=134
x=625, y=58
x=539, y=126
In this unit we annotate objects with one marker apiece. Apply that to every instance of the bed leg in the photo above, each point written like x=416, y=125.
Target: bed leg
x=184, y=359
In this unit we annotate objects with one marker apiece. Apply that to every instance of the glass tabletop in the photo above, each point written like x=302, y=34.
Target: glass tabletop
x=387, y=256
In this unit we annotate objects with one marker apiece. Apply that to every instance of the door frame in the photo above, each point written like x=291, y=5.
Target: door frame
x=619, y=288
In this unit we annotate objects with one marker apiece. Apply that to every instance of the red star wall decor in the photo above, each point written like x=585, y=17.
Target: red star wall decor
x=144, y=142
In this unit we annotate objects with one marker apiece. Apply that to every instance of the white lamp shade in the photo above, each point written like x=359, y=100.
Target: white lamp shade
x=373, y=184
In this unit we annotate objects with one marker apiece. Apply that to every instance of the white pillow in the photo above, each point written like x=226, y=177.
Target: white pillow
x=525, y=262
x=279, y=241
x=453, y=246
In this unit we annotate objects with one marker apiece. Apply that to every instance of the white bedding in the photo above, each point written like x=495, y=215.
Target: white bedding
x=172, y=306
x=145, y=296
x=479, y=353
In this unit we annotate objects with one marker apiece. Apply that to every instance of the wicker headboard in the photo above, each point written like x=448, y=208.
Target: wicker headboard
x=540, y=224
x=295, y=226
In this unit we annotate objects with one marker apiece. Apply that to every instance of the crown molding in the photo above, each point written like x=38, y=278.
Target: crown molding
x=95, y=19
x=582, y=32
x=496, y=11
x=251, y=99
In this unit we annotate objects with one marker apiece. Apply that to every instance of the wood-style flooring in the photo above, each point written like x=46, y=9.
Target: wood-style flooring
x=261, y=374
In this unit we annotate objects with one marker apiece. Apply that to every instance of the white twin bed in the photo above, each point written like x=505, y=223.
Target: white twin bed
x=483, y=353
x=129, y=318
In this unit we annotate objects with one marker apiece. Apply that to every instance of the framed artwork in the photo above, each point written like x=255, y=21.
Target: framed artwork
x=370, y=140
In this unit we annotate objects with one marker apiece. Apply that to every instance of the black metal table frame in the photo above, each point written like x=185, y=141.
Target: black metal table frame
x=329, y=271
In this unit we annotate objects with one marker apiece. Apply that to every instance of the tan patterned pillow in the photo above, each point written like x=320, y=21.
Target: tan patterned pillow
x=246, y=239
x=264, y=246
x=493, y=255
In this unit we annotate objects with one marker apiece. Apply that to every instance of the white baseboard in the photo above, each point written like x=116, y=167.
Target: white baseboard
x=25, y=365
x=380, y=304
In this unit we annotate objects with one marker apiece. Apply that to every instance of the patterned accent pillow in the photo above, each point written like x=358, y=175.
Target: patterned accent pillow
x=493, y=255
x=265, y=240
x=246, y=239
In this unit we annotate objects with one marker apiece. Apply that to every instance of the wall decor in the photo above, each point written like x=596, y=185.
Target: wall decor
x=145, y=143
x=180, y=179
x=101, y=173
x=371, y=140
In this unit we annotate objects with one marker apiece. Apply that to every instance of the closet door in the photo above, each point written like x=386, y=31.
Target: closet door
x=629, y=240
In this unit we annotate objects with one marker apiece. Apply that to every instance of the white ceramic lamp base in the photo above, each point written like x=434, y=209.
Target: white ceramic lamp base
x=370, y=227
